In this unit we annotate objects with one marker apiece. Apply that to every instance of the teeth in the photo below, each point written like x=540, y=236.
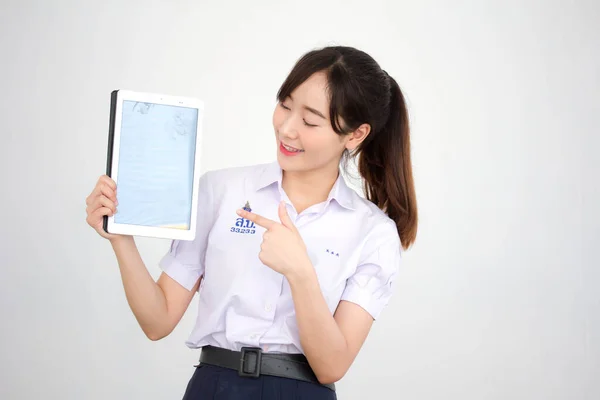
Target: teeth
x=291, y=149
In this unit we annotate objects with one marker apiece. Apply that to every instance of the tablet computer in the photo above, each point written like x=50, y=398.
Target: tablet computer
x=154, y=158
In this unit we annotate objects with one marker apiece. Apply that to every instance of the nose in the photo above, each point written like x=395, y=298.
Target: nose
x=288, y=127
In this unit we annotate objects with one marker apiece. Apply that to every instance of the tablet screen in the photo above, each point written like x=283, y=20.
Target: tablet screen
x=156, y=165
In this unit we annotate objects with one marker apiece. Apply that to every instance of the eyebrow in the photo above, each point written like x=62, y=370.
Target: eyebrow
x=312, y=110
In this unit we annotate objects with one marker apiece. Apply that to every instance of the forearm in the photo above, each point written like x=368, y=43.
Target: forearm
x=324, y=344
x=145, y=297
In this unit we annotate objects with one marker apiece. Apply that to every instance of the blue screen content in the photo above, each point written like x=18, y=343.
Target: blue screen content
x=156, y=165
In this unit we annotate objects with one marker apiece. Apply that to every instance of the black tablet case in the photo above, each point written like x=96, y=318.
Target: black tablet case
x=111, y=139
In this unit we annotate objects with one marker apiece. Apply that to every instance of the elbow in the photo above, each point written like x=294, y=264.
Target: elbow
x=155, y=335
x=329, y=377
x=332, y=369
x=157, y=329
x=327, y=380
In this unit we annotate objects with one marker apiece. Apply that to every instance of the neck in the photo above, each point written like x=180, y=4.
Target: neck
x=308, y=188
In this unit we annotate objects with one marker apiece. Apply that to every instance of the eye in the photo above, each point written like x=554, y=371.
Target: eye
x=307, y=124
x=284, y=106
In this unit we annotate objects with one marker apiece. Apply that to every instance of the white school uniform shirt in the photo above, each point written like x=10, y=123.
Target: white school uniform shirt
x=354, y=248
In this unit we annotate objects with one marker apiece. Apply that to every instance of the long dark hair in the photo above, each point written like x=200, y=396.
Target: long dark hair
x=361, y=92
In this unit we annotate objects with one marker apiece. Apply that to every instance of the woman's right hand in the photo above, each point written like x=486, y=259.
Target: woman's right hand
x=102, y=202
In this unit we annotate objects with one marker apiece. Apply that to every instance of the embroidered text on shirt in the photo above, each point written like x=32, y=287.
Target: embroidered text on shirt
x=333, y=253
x=242, y=225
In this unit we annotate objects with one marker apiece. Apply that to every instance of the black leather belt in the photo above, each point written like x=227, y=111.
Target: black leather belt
x=252, y=362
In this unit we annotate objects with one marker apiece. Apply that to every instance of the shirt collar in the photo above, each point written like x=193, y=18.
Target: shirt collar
x=340, y=192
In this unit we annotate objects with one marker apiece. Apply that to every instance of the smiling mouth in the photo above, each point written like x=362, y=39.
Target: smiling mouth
x=291, y=149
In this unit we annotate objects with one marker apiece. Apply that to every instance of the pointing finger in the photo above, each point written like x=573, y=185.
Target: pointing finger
x=257, y=219
x=285, y=217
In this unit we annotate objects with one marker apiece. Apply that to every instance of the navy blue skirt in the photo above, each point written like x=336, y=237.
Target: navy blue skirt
x=216, y=383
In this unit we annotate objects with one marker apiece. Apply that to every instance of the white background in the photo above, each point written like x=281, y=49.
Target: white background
x=499, y=297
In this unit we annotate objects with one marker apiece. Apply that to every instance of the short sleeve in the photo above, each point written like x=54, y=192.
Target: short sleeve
x=371, y=285
x=184, y=262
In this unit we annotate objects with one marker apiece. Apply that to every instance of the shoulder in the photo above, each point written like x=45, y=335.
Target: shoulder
x=377, y=227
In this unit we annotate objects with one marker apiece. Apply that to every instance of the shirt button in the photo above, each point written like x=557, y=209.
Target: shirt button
x=254, y=336
x=268, y=307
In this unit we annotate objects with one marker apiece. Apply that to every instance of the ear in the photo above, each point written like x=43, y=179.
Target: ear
x=357, y=137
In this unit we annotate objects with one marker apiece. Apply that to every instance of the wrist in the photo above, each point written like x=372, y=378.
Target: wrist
x=119, y=241
x=303, y=273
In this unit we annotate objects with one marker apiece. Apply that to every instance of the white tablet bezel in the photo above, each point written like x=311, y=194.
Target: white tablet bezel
x=119, y=96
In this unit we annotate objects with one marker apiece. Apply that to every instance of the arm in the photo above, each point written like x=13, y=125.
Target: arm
x=157, y=306
x=330, y=343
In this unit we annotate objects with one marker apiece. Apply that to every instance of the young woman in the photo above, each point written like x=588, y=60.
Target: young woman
x=291, y=266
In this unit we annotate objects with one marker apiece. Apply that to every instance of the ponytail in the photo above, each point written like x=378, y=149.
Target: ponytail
x=385, y=165
x=361, y=92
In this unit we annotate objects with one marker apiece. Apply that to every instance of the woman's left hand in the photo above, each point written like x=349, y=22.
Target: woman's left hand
x=282, y=249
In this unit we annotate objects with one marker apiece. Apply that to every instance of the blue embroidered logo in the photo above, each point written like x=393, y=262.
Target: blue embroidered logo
x=242, y=225
x=333, y=253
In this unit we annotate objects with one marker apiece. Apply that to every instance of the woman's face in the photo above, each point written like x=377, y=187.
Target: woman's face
x=305, y=138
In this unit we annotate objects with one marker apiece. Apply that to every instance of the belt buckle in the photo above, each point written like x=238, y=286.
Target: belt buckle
x=244, y=370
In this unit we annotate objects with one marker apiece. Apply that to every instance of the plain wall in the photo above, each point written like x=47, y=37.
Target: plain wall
x=498, y=298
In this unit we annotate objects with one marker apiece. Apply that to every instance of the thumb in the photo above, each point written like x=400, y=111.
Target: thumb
x=284, y=217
